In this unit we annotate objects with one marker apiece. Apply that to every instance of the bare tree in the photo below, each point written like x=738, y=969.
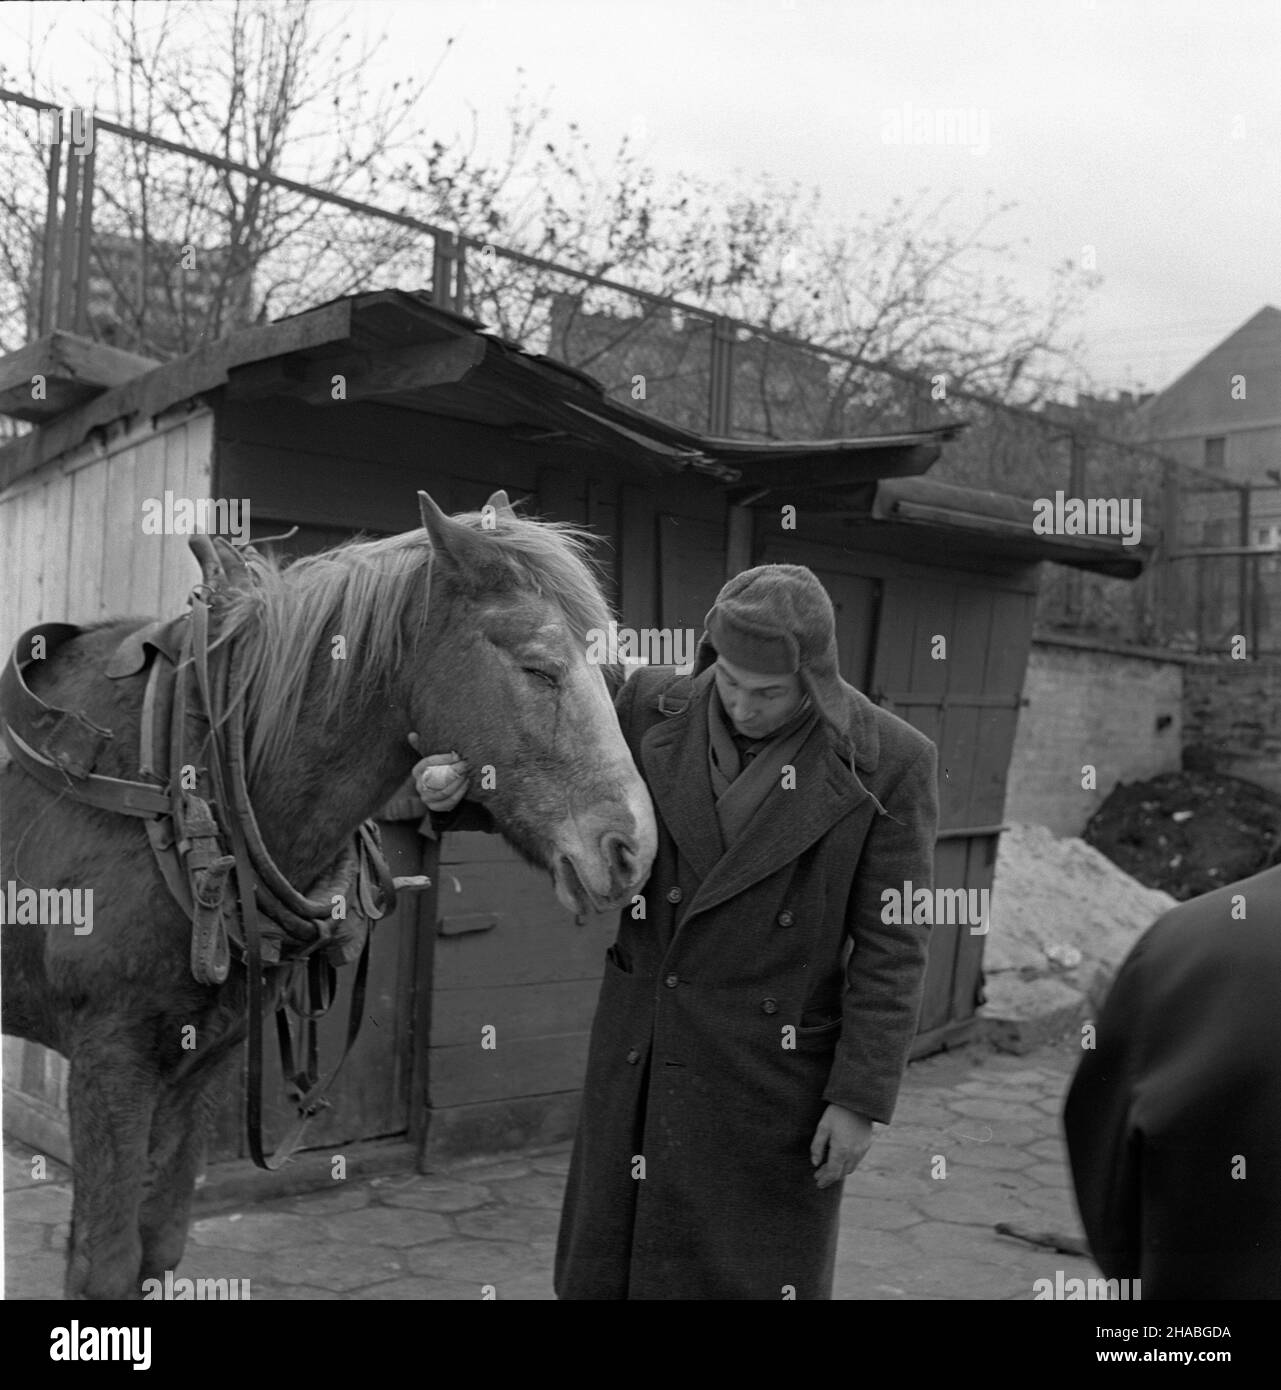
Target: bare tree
x=907, y=287
x=183, y=252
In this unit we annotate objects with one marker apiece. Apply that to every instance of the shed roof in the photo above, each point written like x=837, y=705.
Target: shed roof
x=1003, y=521
x=397, y=348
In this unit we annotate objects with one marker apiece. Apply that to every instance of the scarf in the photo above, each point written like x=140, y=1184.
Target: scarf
x=745, y=771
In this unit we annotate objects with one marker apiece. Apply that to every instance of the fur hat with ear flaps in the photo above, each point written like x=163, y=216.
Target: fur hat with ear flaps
x=778, y=620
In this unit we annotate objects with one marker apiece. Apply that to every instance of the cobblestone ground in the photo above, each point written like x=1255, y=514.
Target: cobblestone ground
x=905, y=1232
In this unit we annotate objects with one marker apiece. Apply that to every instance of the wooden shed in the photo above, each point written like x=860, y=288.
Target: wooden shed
x=330, y=421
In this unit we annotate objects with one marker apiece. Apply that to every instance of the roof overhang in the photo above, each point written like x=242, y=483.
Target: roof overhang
x=397, y=348
x=1004, y=523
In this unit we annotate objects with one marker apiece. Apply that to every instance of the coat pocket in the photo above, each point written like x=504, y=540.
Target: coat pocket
x=821, y=1038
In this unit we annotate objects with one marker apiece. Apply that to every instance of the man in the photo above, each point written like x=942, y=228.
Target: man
x=1173, y=1118
x=757, y=1011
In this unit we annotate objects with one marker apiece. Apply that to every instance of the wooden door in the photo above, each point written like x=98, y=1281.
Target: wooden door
x=691, y=570
x=889, y=613
x=950, y=658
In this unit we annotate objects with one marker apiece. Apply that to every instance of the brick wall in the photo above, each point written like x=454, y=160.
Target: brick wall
x=1232, y=718
x=1122, y=713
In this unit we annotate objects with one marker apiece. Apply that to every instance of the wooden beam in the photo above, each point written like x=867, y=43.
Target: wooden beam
x=740, y=528
x=71, y=369
x=808, y=472
x=360, y=376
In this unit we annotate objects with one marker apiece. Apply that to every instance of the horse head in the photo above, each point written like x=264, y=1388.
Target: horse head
x=511, y=603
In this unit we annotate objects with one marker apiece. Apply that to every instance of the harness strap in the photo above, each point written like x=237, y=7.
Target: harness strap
x=278, y=885
x=246, y=884
x=69, y=750
x=311, y=1093
x=183, y=832
x=157, y=710
x=106, y=793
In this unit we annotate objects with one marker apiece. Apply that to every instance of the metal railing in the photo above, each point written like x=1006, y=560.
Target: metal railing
x=99, y=267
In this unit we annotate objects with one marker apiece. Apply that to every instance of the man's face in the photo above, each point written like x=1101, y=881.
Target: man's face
x=756, y=704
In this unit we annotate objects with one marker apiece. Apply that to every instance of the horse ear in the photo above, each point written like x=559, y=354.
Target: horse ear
x=501, y=505
x=434, y=520
x=448, y=538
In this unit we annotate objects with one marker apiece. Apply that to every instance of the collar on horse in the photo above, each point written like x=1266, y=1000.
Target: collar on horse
x=201, y=825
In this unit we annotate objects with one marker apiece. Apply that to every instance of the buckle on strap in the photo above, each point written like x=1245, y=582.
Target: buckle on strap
x=74, y=742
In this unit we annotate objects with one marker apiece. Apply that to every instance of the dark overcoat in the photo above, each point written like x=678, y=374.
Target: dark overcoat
x=1173, y=1119
x=728, y=1018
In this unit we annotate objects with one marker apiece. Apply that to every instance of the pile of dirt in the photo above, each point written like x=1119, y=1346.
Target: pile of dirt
x=1188, y=833
x=1063, y=918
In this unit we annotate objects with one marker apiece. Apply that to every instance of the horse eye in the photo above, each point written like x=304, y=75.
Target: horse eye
x=545, y=676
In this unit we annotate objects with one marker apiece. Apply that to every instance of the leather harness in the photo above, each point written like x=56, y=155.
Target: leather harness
x=203, y=832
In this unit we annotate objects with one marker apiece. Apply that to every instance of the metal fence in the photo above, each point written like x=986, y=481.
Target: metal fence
x=149, y=273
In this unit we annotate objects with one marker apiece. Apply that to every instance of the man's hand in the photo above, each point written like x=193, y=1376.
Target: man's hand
x=842, y=1138
x=441, y=779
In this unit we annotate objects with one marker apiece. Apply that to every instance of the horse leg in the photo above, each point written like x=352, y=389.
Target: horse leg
x=179, y=1132
x=111, y=1096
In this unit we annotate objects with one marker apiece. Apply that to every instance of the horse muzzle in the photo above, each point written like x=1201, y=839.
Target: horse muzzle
x=603, y=860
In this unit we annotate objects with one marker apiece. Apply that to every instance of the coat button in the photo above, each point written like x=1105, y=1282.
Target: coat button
x=674, y=895
x=785, y=919
x=672, y=981
x=769, y=1006
x=633, y=1056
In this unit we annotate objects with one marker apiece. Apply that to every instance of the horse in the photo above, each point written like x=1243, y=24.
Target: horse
x=471, y=634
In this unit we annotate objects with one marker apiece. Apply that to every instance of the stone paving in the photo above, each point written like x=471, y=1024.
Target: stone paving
x=976, y=1140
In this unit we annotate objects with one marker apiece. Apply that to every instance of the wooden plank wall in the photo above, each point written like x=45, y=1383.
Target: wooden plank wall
x=508, y=955
x=73, y=550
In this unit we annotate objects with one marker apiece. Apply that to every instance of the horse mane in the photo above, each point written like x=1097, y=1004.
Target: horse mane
x=373, y=594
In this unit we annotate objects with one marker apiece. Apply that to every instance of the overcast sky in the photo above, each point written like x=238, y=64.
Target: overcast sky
x=1150, y=131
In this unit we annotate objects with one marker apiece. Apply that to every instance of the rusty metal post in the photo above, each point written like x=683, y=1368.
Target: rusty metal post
x=720, y=402
x=460, y=278
x=85, y=234
x=67, y=252
x=1243, y=565
x=49, y=249
x=1076, y=488
x=1200, y=603
x=1169, y=588
x=443, y=261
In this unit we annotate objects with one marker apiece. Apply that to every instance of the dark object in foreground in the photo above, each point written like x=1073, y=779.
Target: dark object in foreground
x=1188, y=833
x=1173, y=1119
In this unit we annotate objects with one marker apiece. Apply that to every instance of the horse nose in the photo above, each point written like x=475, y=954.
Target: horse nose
x=620, y=853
